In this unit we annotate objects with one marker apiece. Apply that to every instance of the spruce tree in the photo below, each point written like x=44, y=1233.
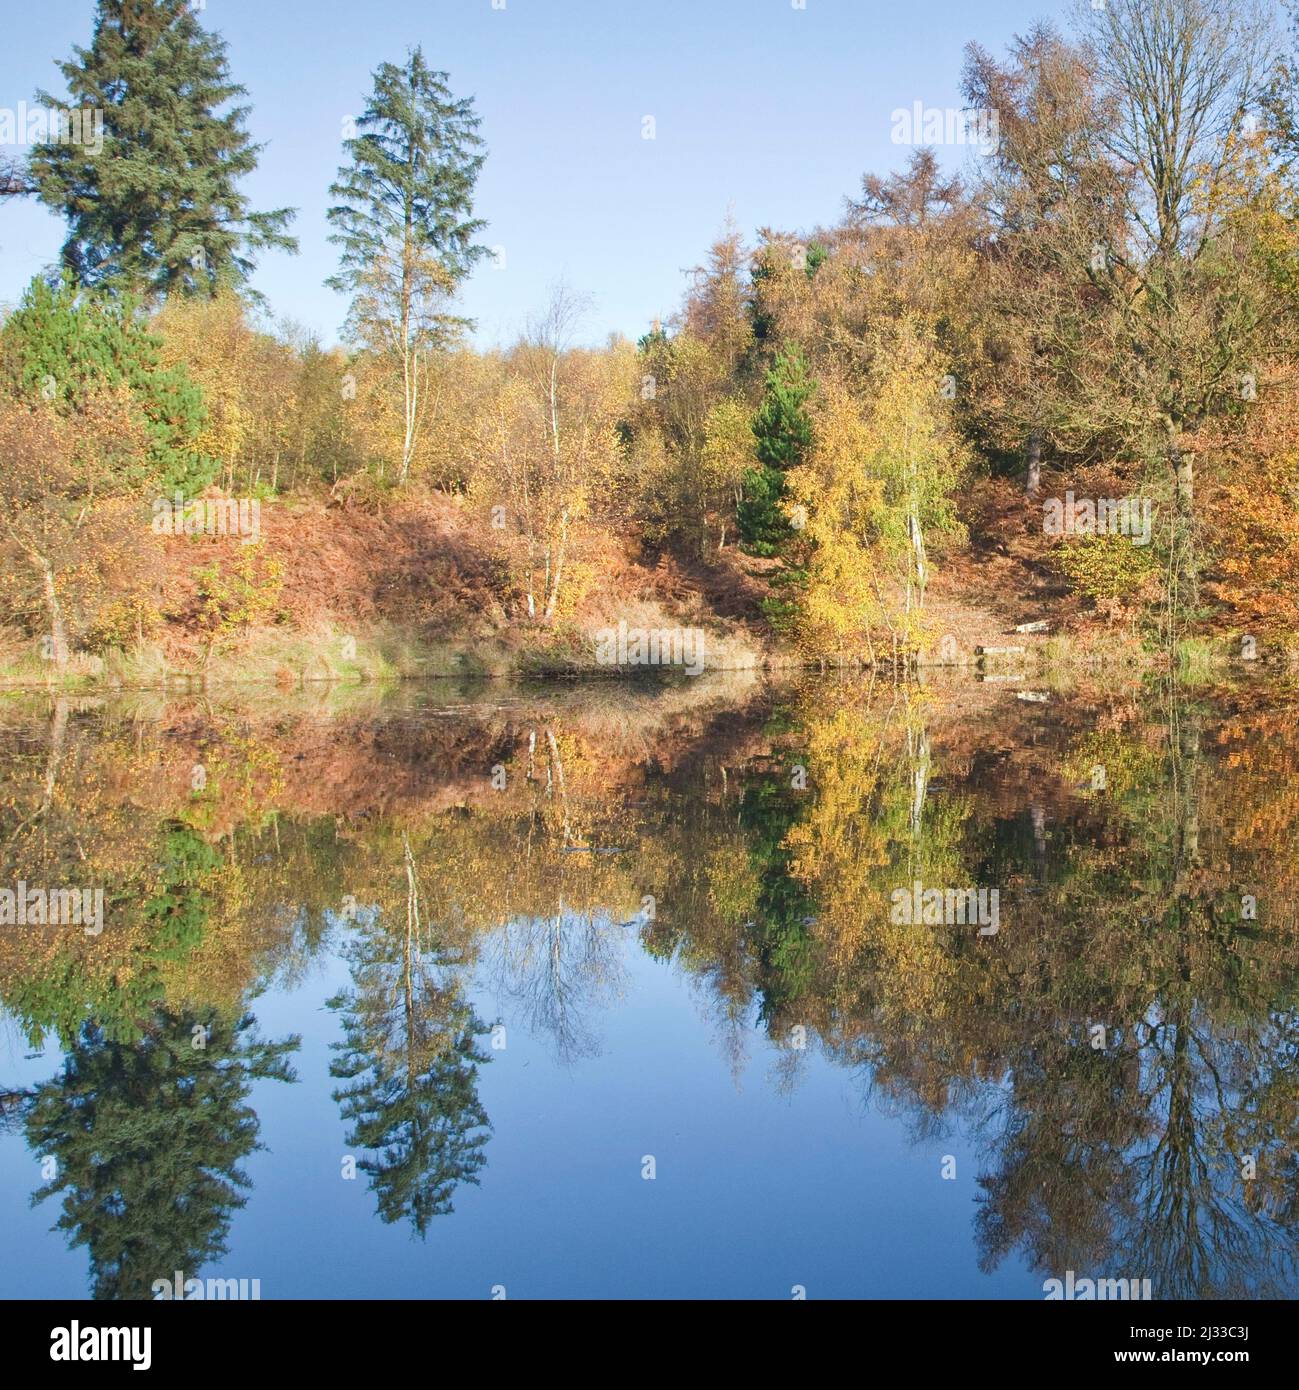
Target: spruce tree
x=149, y=1140
x=414, y=162
x=782, y=429
x=410, y=1058
x=404, y=220
x=62, y=346
x=157, y=208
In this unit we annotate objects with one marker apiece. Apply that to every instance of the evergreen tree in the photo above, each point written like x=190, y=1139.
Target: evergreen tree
x=63, y=346
x=410, y=1056
x=148, y=1140
x=783, y=431
x=156, y=207
x=404, y=220
x=779, y=936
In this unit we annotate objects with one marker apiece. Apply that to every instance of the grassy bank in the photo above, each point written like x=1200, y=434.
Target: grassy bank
x=287, y=660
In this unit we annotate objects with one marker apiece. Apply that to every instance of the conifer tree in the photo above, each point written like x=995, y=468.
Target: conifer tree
x=154, y=207
x=62, y=347
x=410, y=1058
x=149, y=1139
x=404, y=220
x=783, y=431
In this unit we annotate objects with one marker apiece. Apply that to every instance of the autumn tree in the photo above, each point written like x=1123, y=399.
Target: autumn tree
x=91, y=418
x=916, y=454
x=909, y=245
x=320, y=437
x=726, y=457
x=1184, y=77
x=211, y=341
x=685, y=474
x=876, y=486
x=844, y=600
x=716, y=309
x=52, y=475
x=62, y=346
x=1034, y=375
x=249, y=381
x=551, y=447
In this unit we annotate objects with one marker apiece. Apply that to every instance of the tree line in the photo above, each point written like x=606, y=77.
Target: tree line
x=1110, y=290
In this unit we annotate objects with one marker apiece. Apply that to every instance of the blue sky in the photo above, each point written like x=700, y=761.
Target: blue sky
x=771, y=111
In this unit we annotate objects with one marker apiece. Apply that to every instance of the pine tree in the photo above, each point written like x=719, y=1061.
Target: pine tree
x=62, y=346
x=783, y=431
x=404, y=219
x=155, y=208
x=149, y=1139
x=410, y=1057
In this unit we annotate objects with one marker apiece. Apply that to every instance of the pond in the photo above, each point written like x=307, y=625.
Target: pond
x=721, y=989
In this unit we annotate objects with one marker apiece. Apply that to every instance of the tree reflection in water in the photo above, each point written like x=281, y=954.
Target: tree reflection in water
x=1123, y=1049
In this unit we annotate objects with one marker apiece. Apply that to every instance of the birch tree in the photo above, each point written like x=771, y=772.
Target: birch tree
x=551, y=450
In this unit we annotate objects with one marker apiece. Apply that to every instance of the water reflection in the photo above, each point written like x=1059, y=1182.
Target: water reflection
x=1123, y=1044
x=143, y=1143
x=410, y=1057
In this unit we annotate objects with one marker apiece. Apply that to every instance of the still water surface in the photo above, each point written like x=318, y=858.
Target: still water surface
x=611, y=992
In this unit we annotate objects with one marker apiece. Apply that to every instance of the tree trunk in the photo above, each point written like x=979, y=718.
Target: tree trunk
x=1037, y=814
x=58, y=632
x=412, y=404
x=555, y=769
x=408, y=960
x=918, y=749
x=58, y=737
x=553, y=579
x=1033, y=469
x=1184, y=468
x=918, y=549
x=1185, y=561
x=409, y=355
x=1186, y=740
